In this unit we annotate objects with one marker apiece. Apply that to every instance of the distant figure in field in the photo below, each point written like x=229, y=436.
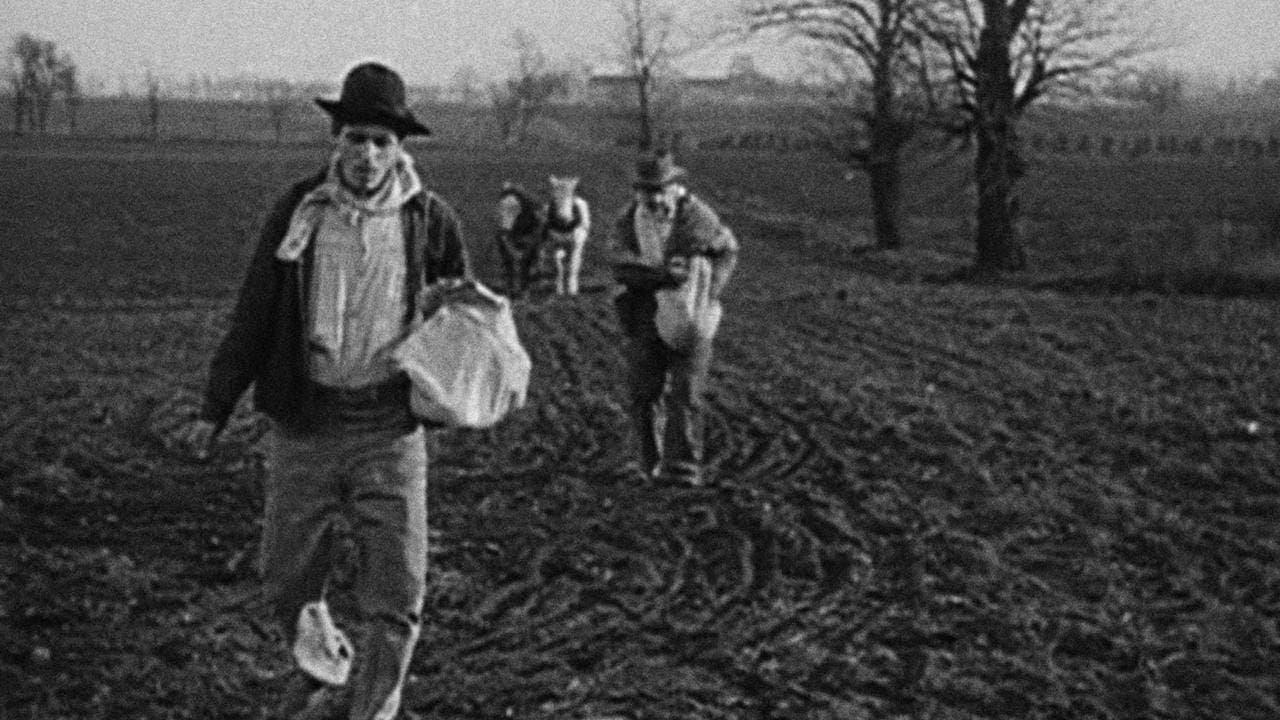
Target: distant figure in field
x=673, y=257
x=346, y=261
x=568, y=222
x=520, y=233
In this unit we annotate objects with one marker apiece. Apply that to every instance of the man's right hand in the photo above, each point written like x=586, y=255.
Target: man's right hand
x=432, y=297
x=197, y=439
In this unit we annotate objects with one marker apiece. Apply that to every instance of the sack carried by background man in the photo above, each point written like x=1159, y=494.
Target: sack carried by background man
x=688, y=314
x=465, y=361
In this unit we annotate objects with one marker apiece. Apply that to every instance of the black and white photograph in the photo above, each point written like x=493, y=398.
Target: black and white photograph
x=640, y=360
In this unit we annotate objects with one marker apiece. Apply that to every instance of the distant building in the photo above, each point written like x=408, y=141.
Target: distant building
x=741, y=83
x=610, y=89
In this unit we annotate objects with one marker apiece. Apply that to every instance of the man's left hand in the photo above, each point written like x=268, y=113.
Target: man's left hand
x=197, y=438
x=677, y=271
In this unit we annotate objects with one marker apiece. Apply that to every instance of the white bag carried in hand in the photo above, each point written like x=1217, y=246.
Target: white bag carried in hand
x=465, y=361
x=688, y=313
x=321, y=649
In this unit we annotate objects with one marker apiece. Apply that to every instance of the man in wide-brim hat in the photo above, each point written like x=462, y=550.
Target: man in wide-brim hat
x=673, y=257
x=337, y=277
x=373, y=93
x=657, y=173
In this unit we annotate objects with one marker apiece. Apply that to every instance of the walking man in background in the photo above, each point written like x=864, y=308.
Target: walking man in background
x=338, y=274
x=673, y=257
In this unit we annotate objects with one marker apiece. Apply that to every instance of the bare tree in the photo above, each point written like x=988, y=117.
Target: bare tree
x=279, y=98
x=523, y=97
x=647, y=44
x=68, y=83
x=153, y=104
x=872, y=62
x=46, y=85
x=33, y=75
x=1005, y=55
x=466, y=85
x=21, y=101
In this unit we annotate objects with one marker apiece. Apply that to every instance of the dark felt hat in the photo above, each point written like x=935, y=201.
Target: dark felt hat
x=657, y=171
x=374, y=93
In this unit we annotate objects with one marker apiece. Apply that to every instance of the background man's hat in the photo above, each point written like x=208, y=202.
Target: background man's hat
x=374, y=93
x=657, y=171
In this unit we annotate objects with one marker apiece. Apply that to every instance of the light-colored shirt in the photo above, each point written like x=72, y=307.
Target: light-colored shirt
x=653, y=228
x=357, y=297
x=652, y=233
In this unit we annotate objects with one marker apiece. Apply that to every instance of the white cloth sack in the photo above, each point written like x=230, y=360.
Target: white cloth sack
x=321, y=649
x=688, y=313
x=465, y=361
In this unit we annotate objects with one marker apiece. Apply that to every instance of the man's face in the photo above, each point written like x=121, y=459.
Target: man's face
x=660, y=200
x=366, y=155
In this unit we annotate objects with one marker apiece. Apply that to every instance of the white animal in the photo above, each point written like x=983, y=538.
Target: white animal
x=568, y=222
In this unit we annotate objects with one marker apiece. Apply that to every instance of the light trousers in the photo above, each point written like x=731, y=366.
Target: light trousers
x=375, y=479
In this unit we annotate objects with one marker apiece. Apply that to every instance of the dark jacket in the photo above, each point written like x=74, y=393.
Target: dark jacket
x=266, y=345
x=697, y=231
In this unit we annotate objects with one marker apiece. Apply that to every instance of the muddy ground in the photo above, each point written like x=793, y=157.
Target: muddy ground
x=932, y=498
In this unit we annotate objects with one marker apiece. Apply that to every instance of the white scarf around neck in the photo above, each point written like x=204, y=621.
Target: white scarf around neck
x=402, y=185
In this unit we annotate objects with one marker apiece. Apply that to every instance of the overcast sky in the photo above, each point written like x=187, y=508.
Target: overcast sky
x=428, y=40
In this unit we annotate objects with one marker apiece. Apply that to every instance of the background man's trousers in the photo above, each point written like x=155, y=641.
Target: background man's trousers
x=666, y=389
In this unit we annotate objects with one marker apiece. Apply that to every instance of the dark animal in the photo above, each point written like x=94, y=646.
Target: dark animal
x=521, y=218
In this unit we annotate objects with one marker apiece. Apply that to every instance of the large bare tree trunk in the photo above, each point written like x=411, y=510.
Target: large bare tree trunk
x=885, y=174
x=999, y=245
x=997, y=165
x=884, y=156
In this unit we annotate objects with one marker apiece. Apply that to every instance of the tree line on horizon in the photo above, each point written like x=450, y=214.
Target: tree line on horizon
x=39, y=72
x=893, y=76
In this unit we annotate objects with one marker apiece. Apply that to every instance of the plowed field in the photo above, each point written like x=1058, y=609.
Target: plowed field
x=930, y=499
